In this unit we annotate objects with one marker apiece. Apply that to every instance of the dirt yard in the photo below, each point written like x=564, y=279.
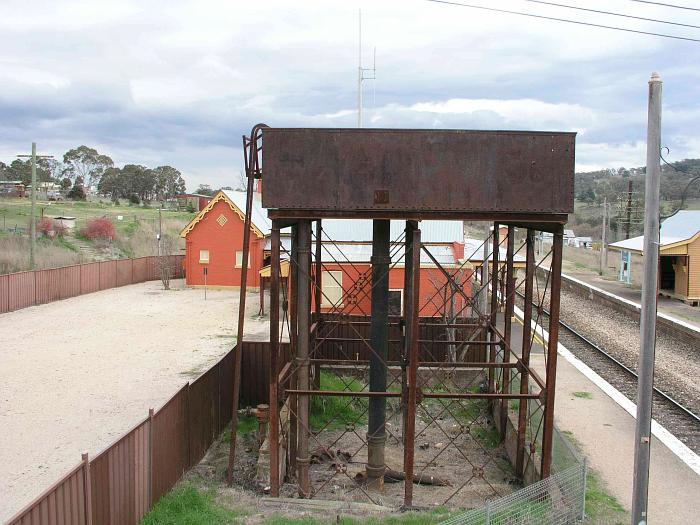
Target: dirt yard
x=76, y=374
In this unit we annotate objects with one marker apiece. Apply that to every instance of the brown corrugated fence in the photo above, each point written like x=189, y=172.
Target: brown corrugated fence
x=122, y=483
x=23, y=289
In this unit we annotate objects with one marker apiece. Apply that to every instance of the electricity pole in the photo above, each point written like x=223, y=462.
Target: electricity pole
x=32, y=224
x=604, y=239
x=647, y=330
x=628, y=222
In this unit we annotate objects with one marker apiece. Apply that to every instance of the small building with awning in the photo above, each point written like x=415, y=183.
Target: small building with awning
x=679, y=256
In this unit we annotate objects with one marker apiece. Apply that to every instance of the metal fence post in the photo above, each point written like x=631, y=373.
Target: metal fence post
x=87, y=488
x=487, y=519
x=584, y=469
x=150, y=457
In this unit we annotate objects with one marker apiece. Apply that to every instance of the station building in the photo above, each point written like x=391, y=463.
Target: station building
x=679, y=256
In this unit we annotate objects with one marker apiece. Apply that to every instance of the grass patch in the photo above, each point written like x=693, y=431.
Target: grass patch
x=433, y=516
x=337, y=411
x=583, y=395
x=186, y=505
x=601, y=507
x=488, y=437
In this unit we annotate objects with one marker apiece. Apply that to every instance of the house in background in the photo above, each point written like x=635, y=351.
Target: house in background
x=214, y=255
x=12, y=188
x=194, y=200
x=679, y=256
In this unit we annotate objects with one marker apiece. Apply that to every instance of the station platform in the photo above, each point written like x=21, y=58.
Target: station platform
x=604, y=432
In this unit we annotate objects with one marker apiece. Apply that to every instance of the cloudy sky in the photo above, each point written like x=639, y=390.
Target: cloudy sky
x=179, y=82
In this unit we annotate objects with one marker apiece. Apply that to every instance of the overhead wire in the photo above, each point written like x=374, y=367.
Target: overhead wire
x=673, y=6
x=567, y=20
x=611, y=13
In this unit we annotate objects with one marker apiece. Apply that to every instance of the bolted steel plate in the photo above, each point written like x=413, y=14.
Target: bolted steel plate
x=418, y=170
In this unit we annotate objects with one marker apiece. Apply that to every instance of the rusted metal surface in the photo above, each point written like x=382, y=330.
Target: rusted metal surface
x=494, y=303
x=170, y=455
x=507, y=323
x=119, y=479
x=250, y=148
x=418, y=170
x=505, y=177
x=552, y=342
x=273, y=434
x=303, y=308
x=526, y=347
x=63, y=502
x=411, y=390
x=23, y=289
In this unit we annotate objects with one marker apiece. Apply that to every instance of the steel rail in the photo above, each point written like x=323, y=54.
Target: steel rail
x=622, y=366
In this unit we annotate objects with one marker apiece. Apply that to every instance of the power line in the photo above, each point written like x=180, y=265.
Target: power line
x=666, y=5
x=611, y=13
x=578, y=22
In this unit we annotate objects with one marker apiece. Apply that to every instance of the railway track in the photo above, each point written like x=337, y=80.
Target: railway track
x=669, y=412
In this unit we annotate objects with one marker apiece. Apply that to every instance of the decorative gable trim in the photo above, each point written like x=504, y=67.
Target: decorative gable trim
x=221, y=196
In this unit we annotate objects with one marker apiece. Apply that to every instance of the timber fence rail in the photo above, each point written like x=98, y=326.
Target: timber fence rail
x=121, y=483
x=22, y=289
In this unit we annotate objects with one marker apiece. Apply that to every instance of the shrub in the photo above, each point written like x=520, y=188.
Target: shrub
x=77, y=193
x=134, y=199
x=45, y=227
x=100, y=228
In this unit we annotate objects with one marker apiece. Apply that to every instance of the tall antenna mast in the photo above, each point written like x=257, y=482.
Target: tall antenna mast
x=361, y=71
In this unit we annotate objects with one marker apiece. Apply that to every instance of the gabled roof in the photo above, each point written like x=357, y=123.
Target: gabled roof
x=236, y=200
x=680, y=229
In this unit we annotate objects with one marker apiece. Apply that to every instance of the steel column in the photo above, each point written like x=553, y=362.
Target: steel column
x=273, y=433
x=494, y=306
x=411, y=226
x=525, y=352
x=508, y=318
x=317, y=271
x=293, y=342
x=412, y=344
x=317, y=291
x=379, y=341
x=552, y=342
x=303, y=346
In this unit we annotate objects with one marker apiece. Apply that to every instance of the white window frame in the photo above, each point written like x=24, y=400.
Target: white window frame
x=239, y=259
x=328, y=282
x=398, y=290
x=203, y=260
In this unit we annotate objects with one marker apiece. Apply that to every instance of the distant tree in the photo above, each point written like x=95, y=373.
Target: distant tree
x=22, y=170
x=110, y=184
x=587, y=196
x=168, y=182
x=205, y=189
x=77, y=192
x=87, y=163
x=241, y=181
x=65, y=183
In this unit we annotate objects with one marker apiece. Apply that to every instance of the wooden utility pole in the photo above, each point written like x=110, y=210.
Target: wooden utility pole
x=604, y=239
x=628, y=222
x=32, y=223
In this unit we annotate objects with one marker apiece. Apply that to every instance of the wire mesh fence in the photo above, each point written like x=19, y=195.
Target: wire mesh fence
x=558, y=499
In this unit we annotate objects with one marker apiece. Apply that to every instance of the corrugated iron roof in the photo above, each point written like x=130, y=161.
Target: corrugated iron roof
x=683, y=226
x=352, y=230
x=474, y=251
x=259, y=215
